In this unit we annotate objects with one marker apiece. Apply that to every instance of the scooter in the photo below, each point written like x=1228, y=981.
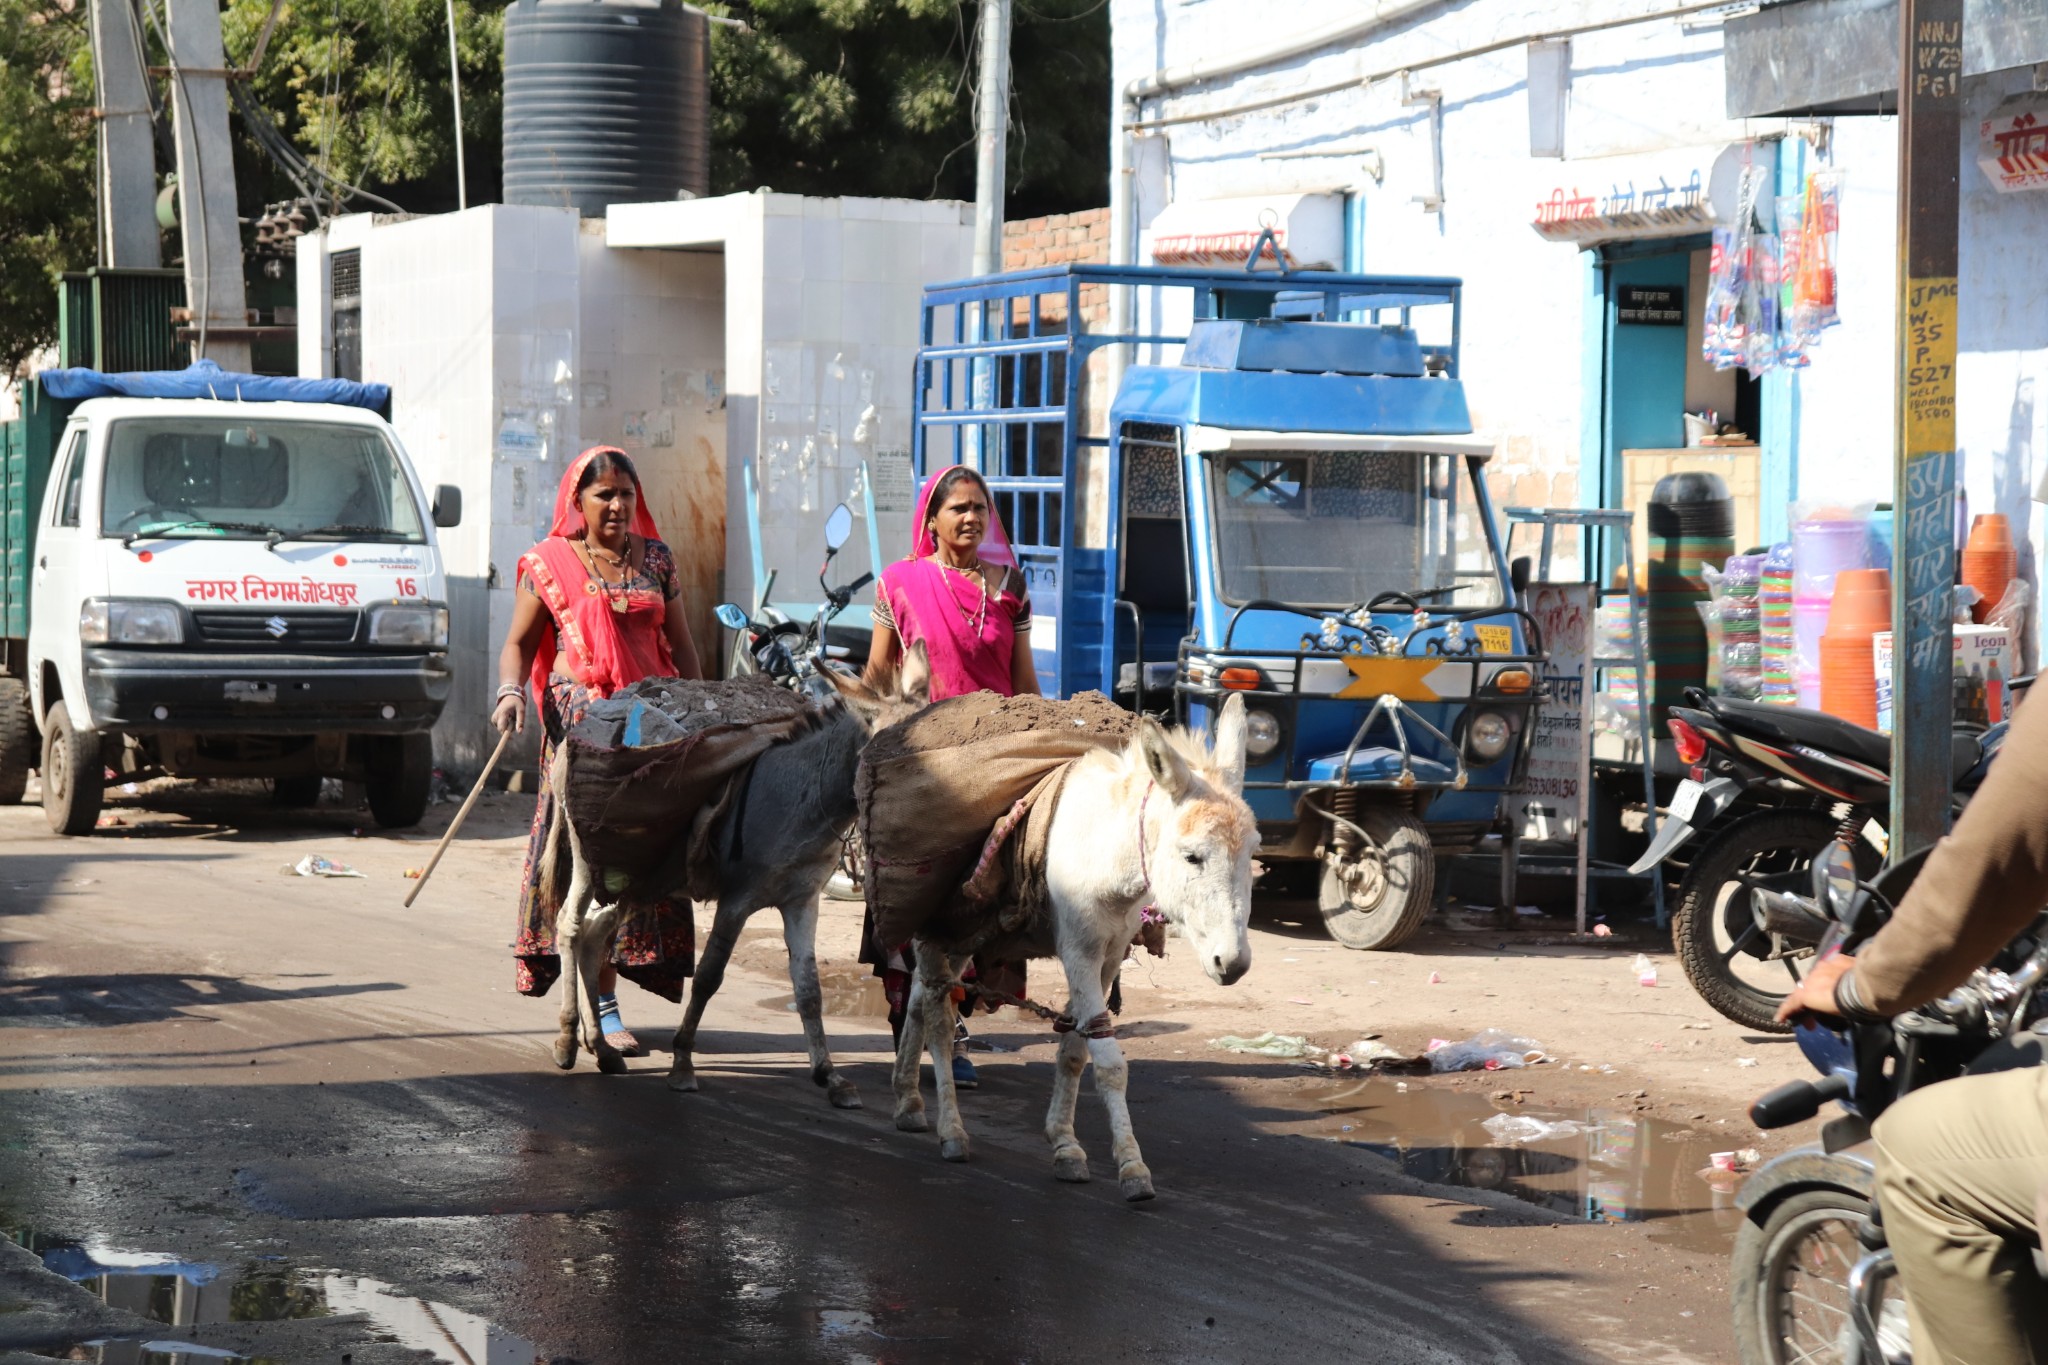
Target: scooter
x=1775, y=785
x=789, y=654
x=1813, y=1277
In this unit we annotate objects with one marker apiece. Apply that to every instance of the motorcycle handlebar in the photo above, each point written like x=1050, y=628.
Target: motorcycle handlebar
x=1796, y=1101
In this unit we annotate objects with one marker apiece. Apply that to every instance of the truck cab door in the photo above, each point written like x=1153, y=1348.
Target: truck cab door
x=61, y=541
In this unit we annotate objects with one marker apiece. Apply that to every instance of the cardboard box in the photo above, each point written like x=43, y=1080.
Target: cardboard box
x=1986, y=659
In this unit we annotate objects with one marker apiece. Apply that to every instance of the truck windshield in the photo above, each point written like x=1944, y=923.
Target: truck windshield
x=255, y=478
x=1330, y=529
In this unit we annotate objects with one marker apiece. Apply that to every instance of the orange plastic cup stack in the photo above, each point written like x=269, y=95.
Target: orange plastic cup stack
x=1990, y=562
x=1848, y=678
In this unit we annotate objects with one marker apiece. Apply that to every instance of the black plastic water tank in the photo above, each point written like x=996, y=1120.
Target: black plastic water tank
x=606, y=102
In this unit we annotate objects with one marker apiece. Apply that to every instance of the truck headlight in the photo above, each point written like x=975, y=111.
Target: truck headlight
x=115, y=621
x=1261, y=734
x=409, y=625
x=1487, y=736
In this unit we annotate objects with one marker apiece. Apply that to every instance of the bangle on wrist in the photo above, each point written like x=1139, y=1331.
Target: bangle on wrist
x=511, y=690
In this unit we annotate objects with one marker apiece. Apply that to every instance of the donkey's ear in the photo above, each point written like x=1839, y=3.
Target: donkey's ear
x=1165, y=767
x=851, y=690
x=1230, y=742
x=914, y=675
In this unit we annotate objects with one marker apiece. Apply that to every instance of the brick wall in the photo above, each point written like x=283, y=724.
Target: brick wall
x=1062, y=239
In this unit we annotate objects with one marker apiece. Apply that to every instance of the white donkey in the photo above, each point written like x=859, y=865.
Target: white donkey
x=1160, y=822
x=778, y=846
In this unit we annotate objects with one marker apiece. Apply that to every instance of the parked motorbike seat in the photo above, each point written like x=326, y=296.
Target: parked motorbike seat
x=1832, y=734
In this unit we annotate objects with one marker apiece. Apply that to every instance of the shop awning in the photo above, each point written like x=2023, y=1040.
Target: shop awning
x=1813, y=57
x=1222, y=232
x=1674, y=193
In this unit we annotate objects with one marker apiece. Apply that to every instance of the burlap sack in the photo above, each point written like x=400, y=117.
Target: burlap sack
x=933, y=787
x=635, y=803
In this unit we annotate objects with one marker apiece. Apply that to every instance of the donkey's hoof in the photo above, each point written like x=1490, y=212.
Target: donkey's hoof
x=953, y=1149
x=683, y=1082
x=912, y=1120
x=843, y=1093
x=612, y=1063
x=1137, y=1183
x=1071, y=1167
x=564, y=1053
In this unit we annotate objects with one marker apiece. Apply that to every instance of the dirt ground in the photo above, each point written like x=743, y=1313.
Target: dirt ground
x=312, y=1094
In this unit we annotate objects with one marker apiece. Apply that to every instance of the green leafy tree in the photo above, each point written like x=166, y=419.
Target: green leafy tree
x=876, y=97
x=46, y=144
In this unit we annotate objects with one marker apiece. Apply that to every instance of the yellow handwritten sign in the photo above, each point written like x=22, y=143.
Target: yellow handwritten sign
x=1930, y=366
x=1496, y=639
x=1379, y=676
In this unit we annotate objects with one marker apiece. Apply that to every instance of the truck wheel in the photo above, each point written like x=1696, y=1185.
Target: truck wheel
x=301, y=791
x=74, y=779
x=17, y=741
x=401, y=773
x=1381, y=898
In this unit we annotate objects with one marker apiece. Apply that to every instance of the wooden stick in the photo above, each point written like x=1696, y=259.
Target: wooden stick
x=460, y=816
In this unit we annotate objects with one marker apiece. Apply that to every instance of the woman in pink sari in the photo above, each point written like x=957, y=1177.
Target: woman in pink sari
x=595, y=610
x=961, y=594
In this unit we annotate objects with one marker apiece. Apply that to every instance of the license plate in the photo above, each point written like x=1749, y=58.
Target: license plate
x=1686, y=800
x=260, y=693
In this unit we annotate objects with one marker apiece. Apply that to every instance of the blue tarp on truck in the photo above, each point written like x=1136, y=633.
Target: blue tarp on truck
x=204, y=379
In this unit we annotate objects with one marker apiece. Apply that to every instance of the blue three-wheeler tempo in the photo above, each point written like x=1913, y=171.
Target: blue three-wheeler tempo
x=1288, y=505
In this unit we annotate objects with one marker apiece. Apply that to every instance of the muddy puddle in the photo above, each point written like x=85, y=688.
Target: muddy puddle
x=193, y=1295
x=1604, y=1166
x=849, y=993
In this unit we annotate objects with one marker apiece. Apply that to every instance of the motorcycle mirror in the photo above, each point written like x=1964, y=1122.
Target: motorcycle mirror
x=1835, y=886
x=838, y=527
x=730, y=616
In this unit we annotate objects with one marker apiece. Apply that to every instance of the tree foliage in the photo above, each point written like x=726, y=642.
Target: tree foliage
x=876, y=97
x=47, y=221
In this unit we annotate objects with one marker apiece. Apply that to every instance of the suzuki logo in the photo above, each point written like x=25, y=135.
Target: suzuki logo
x=278, y=627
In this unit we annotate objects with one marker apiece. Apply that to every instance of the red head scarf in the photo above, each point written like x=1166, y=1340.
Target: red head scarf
x=615, y=649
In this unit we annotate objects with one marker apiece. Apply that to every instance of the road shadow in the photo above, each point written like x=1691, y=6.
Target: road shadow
x=118, y=998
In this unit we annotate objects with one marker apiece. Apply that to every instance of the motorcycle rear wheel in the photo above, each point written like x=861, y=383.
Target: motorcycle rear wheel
x=1712, y=925
x=1790, y=1277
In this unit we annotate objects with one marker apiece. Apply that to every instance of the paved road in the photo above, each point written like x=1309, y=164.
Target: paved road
x=324, y=1101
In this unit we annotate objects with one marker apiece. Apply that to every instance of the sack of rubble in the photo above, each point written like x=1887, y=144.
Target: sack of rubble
x=956, y=802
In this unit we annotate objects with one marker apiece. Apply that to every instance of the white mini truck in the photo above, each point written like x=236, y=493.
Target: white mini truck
x=218, y=587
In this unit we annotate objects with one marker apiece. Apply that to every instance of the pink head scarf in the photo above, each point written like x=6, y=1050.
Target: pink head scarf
x=968, y=639
x=613, y=649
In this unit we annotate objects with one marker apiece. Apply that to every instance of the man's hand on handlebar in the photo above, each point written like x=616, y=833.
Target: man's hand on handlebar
x=1815, y=994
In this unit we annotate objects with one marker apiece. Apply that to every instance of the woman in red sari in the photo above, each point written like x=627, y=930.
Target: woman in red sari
x=961, y=594
x=595, y=610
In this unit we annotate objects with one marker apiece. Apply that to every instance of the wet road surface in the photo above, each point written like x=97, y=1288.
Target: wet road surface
x=230, y=1087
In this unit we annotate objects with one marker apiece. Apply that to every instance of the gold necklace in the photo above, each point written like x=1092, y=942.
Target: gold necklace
x=978, y=618
x=616, y=600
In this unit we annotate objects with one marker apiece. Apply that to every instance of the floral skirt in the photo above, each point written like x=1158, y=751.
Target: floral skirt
x=656, y=946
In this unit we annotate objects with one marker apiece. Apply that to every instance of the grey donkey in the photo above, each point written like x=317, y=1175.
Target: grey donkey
x=776, y=847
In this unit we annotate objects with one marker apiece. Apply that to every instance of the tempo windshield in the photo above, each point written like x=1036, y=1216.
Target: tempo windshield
x=190, y=477
x=1331, y=529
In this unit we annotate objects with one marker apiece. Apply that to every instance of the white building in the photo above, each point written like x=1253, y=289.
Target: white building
x=700, y=336
x=1518, y=144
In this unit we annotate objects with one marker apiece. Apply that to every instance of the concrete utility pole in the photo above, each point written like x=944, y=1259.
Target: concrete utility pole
x=206, y=185
x=991, y=132
x=127, y=172
x=1924, y=458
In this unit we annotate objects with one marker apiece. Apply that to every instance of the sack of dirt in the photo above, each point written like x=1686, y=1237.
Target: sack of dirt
x=642, y=766
x=933, y=788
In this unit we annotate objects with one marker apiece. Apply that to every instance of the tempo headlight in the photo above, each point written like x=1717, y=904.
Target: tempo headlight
x=408, y=625
x=1487, y=736
x=114, y=621
x=1261, y=733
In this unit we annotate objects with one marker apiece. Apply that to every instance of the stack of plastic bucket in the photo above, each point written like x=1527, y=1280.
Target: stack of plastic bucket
x=1691, y=524
x=1848, y=678
x=1989, y=562
x=1824, y=544
x=1774, y=627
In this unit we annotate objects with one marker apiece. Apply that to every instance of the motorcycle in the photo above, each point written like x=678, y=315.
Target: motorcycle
x=1775, y=785
x=1813, y=1278
x=772, y=645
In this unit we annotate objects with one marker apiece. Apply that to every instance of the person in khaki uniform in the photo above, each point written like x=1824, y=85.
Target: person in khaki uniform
x=1962, y=1167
